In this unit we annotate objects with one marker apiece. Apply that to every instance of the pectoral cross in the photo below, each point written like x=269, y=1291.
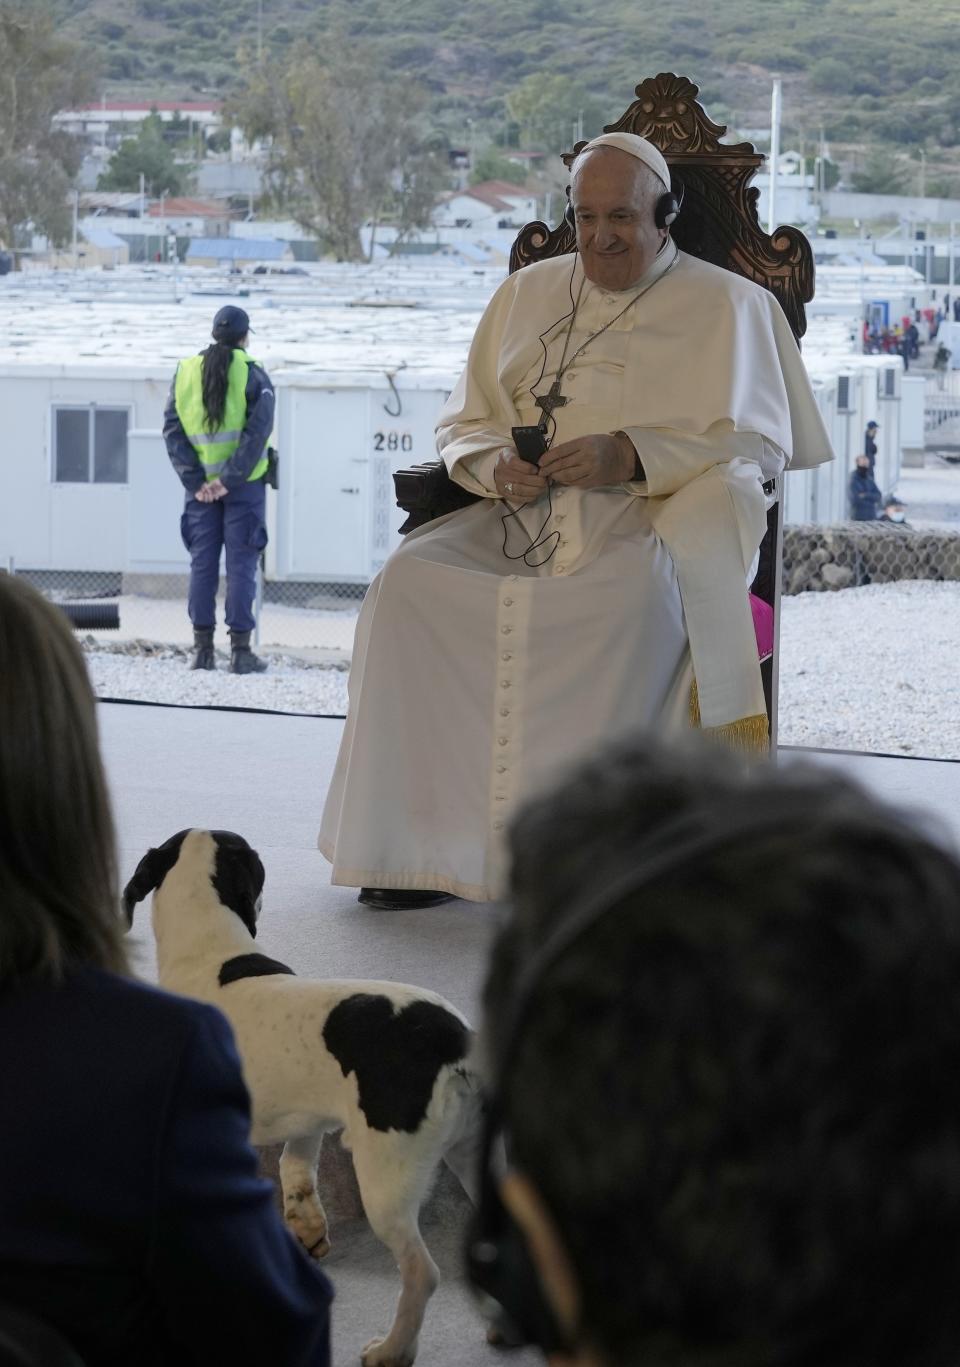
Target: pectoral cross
x=554, y=399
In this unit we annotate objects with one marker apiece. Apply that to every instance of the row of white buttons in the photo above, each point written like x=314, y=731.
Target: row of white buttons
x=558, y=517
x=505, y=680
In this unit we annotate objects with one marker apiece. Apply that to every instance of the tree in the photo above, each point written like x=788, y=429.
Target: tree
x=148, y=154
x=882, y=174
x=345, y=147
x=546, y=107
x=493, y=165
x=40, y=74
x=419, y=180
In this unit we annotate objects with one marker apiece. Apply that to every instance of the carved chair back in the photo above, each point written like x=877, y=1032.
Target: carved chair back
x=718, y=221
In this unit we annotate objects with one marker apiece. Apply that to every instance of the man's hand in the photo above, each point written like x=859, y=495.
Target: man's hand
x=517, y=480
x=209, y=493
x=588, y=462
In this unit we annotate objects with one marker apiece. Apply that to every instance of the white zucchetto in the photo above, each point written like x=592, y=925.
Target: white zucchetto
x=637, y=147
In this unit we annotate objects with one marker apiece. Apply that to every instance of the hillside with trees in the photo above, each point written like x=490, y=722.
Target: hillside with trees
x=869, y=70
x=361, y=100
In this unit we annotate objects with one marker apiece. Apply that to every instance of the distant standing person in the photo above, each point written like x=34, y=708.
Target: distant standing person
x=218, y=421
x=941, y=361
x=865, y=496
x=870, y=444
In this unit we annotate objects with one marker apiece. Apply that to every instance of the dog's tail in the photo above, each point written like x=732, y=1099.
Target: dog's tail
x=462, y=1151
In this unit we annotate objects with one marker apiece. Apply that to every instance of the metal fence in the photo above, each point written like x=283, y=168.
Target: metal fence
x=311, y=621
x=137, y=639
x=851, y=554
x=143, y=651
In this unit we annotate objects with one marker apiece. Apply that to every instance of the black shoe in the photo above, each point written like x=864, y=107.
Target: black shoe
x=399, y=899
x=203, y=645
x=242, y=658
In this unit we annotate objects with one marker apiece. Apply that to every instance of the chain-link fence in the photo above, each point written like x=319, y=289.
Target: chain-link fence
x=138, y=640
x=312, y=621
x=850, y=554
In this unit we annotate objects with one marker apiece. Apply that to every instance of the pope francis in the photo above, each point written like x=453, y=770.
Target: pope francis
x=601, y=591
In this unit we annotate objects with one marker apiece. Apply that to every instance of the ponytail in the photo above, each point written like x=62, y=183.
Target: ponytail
x=215, y=376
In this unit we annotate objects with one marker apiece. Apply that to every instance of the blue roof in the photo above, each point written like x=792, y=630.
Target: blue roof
x=237, y=248
x=100, y=237
x=472, y=251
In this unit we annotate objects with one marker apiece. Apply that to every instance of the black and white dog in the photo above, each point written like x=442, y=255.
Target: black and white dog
x=388, y=1065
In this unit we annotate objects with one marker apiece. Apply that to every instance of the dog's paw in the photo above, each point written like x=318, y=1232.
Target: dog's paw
x=381, y=1353
x=320, y=1249
x=308, y=1225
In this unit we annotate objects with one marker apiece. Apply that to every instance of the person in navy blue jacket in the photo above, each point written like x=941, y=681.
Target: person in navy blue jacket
x=216, y=426
x=132, y=1219
x=864, y=493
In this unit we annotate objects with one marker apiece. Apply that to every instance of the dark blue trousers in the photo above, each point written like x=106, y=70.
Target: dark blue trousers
x=234, y=523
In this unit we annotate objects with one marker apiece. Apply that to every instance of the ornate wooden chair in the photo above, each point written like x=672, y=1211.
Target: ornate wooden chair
x=719, y=223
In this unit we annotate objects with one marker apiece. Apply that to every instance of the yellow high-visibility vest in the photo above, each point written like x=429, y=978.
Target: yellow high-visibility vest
x=215, y=448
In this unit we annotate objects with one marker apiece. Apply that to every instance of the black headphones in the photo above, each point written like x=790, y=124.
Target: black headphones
x=499, y=1264
x=668, y=207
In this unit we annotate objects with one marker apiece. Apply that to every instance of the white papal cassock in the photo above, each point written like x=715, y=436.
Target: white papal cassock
x=475, y=676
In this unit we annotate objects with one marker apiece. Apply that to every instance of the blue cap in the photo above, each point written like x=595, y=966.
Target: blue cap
x=230, y=325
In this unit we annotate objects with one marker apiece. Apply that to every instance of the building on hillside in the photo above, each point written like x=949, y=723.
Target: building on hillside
x=491, y=204
x=97, y=249
x=277, y=229
x=108, y=122
x=237, y=253
x=191, y=217
x=530, y=161
x=112, y=203
x=796, y=200
x=236, y=179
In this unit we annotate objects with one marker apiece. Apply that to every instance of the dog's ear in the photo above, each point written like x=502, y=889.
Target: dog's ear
x=238, y=877
x=151, y=871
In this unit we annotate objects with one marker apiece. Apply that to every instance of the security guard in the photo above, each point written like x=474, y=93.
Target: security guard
x=217, y=423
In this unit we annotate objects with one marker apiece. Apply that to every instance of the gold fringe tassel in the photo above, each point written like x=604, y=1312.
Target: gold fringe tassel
x=751, y=735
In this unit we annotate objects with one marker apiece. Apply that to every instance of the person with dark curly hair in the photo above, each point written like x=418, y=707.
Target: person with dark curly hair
x=729, y=1098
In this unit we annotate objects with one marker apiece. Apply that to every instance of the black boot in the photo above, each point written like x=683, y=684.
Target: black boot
x=203, y=645
x=242, y=658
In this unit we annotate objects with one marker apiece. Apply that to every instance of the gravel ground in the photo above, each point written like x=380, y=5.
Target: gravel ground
x=851, y=674
x=282, y=626
x=874, y=668
x=160, y=674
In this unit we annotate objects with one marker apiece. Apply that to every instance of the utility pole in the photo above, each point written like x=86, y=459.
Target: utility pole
x=76, y=215
x=774, y=153
x=259, y=32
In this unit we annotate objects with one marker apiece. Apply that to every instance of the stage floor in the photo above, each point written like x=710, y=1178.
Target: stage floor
x=265, y=776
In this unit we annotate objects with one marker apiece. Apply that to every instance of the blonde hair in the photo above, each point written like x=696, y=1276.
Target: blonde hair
x=59, y=904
